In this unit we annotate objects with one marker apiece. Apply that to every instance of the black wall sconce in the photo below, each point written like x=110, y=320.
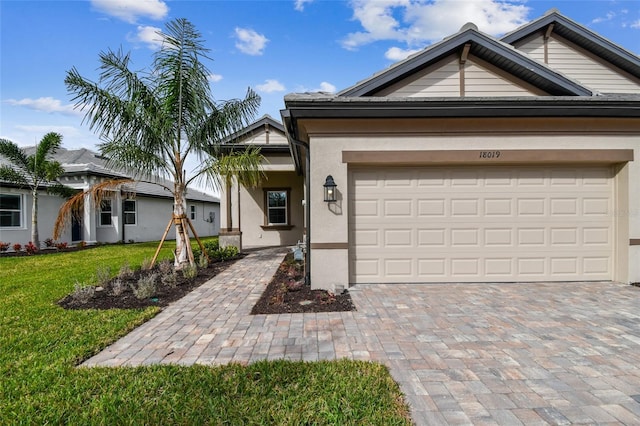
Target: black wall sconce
x=329, y=190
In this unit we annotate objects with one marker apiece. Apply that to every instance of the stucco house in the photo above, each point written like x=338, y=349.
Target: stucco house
x=477, y=159
x=271, y=214
x=140, y=212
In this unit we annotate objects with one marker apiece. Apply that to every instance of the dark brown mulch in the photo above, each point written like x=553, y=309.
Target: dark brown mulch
x=165, y=294
x=286, y=293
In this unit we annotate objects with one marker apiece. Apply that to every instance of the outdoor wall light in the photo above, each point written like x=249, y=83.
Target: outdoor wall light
x=329, y=190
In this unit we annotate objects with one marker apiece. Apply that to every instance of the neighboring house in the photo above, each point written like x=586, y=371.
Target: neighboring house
x=271, y=214
x=140, y=212
x=478, y=160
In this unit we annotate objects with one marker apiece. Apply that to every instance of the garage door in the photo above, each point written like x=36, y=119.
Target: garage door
x=492, y=224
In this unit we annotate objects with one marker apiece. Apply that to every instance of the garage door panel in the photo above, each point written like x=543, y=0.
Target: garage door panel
x=495, y=223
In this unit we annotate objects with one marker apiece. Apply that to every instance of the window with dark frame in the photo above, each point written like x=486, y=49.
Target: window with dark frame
x=130, y=212
x=277, y=207
x=105, y=213
x=10, y=211
x=193, y=212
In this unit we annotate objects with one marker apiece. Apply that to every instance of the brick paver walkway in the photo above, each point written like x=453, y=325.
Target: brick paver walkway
x=560, y=353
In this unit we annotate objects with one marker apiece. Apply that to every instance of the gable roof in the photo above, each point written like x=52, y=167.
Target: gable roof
x=483, y=46
x=582, y=37
x=265, y=120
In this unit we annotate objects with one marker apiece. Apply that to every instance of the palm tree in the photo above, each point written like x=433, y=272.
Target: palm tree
x=34, y=171
x=151, y=123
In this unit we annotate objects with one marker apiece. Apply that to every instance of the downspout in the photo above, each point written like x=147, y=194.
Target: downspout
x=307, y=196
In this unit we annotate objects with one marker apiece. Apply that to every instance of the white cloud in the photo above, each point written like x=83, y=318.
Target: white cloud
x=250, y=42
x=214, y=78
x=271, y=86
x=417, y=22
x=608, y=17
x=324, y=87
x=398, y=54
x=45, y=104
x=636, y=24
x=299, y=4
x=131, y=10
x=149, y=36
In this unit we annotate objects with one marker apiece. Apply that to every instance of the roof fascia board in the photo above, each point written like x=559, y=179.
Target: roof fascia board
x=447, y=47
x=423, y=108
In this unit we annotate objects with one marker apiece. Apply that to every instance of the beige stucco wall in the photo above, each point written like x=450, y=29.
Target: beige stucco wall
x=329, y=222
x=252, y=207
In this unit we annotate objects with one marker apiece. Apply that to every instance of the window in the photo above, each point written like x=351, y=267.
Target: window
x=129, y=212
x=10, y=211
x=193, y=212
x=277, y=206
x=105, y=213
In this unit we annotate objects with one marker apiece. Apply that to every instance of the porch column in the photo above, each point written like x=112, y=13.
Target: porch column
x=230, y=234
x=89, y=234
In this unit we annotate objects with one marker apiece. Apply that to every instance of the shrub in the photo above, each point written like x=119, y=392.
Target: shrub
x=49, y=242
x=30, y=248
x=190, y=272
x=165, y=267
x=229, y=252
x=118, y=287
x=203, y=261
x=4, y=246
x=209, y=246
x=146, y=287
x=146, y=264
x=82, y=244
x=61, y=246
x=125, y=271
x=170, y=279
x=83, y=293
x=103, y=275
x=17, y=247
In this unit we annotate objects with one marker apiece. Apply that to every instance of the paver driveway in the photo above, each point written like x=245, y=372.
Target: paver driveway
x=509, y=354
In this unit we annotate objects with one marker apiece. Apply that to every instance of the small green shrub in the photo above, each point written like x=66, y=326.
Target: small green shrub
x=209, y=246
x=190, y=272
x=170, y=279
x=229, y=252
x=146, y=287
x=118, y=287
x=83, y=293
x=203, y=261
x=165, y=267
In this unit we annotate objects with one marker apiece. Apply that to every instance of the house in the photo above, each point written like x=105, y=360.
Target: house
x=140, y=212
x=477, y=159
x=272, y=213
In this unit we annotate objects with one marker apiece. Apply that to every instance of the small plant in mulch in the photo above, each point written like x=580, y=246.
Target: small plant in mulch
x=17, y=247
x=140, y=288
x=4, y=246
x=287, y=293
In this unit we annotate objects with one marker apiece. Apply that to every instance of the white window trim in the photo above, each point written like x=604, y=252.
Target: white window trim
x=100, y=211
x=285, y=207
x=135, y=213
x=23, y=222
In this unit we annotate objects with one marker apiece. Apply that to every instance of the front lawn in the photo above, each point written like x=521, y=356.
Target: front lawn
x=41, y=344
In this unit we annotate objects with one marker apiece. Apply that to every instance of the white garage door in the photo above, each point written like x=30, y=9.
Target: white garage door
x=491, y=224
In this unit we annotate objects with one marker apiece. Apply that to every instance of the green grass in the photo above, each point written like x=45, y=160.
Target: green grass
x=41, y=344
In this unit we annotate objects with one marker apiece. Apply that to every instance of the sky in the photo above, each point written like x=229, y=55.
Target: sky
x=275, y=47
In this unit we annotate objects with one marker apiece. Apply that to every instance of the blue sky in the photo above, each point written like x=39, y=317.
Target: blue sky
x=275, y=47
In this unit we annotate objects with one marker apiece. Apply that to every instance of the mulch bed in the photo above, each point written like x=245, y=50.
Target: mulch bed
x=105, y=298
x=286, y=293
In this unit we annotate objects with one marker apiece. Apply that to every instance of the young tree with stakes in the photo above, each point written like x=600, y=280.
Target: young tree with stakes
x=151, y=123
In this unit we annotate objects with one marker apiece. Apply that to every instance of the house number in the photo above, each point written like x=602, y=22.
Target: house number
x=489, y=154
